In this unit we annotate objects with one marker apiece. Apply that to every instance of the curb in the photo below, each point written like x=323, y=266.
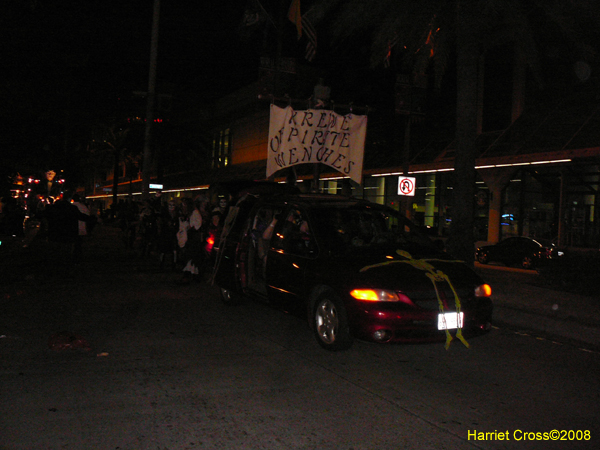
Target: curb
x=560, y=329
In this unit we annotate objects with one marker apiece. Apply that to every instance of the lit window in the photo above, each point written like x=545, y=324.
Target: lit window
x=221, y=149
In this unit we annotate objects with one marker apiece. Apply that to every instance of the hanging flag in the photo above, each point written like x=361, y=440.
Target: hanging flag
x=428, y=48
x=430, y=42
x=391, y=44
x=311, y=36
x=295, y=16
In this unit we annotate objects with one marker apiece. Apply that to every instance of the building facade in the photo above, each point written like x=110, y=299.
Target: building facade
x=538, y=177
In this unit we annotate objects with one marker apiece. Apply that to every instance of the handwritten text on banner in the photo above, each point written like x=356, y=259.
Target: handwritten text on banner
x=316, y=136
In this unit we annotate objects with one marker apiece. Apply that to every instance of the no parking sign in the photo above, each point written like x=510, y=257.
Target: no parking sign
x=406, y=186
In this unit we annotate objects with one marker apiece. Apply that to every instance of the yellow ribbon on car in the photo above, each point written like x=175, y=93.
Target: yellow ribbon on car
x=435, y=276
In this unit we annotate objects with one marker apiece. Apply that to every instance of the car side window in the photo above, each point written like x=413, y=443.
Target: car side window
x=294, y=235
x=510, y=242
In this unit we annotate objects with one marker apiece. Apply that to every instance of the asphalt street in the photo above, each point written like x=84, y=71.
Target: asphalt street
x=147, y=363
x=520, y=302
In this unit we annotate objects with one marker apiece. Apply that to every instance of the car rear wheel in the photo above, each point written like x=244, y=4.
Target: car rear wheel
x=330, y=323
x=527, y=262
x=482, y=258
x=229, y=297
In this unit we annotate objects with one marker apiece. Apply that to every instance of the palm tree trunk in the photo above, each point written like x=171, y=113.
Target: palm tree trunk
x=115, y=189
x=150, y=102
x=462, y=240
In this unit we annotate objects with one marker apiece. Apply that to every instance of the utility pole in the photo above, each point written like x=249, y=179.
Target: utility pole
x=403, y=108
x=150, y=102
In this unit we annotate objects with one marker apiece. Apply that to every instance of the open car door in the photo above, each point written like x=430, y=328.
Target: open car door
x=224, y=247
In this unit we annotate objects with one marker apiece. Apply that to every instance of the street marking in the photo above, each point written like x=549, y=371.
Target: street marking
x=539, y=338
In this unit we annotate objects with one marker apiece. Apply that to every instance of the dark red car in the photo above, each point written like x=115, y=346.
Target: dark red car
x=355, y=269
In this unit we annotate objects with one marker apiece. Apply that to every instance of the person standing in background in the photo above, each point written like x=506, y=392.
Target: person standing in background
x=190, y=224
x=82, y=227
x=63, y=228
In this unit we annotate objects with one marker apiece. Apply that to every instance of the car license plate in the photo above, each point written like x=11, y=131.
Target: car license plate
x=450, y=321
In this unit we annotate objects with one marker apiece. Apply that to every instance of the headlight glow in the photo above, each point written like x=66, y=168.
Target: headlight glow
x=377, y=295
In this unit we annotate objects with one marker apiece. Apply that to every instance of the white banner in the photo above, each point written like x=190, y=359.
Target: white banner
x=316, y=136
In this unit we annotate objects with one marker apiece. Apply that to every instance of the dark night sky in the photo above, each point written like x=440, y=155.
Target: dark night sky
x=107, y=44
x=65, y=58
x=68, y=61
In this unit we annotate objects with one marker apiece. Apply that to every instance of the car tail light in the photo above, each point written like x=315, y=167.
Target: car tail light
x=379, y=295
x=483, y=290
x=210, y=242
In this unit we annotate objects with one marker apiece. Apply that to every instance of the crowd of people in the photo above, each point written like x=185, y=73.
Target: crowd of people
x=182, y=233
x=61, y=221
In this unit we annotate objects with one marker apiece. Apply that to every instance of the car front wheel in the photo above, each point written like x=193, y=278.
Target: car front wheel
x=482, y=258
x=331, y=324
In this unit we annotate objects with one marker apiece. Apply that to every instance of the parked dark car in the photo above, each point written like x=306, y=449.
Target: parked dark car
x=523, y=251
x=356, y=269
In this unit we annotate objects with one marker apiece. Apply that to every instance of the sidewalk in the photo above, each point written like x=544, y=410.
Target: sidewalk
x=523, y=306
